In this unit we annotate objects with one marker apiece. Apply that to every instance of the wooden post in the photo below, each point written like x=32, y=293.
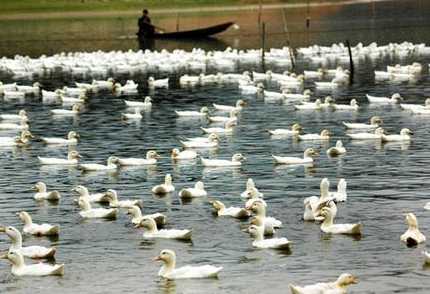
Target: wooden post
x=263, y=46
x=260, y=8
x=351, y=63
x=177, y=22
x=290, y=50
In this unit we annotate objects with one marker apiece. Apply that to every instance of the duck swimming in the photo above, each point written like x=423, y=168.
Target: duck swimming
x=395, y=99
x=270, y=223
x=43, y=194
x=152, y=232
x=36, y=229
x=112, y=196
x=228, y=128
x=21, y=116
x=338, y=287
x=76, y=109
x=88, y=212
x=239, y=106
x=377, y=135
x=136, y=216
x=412, y=236
x=21, y=140
x=257, y=232
x=294, y=131
x=112, y=162
x=72, y=139
x=210, y=142
x=183, y=155
x=202, y=113
x=72, y=159
x=251, y=190
x=224, y=119
x=147, y=103
x=169, y=271
x=307, y=158
x=236, y=212
x=19, y=268
x=165, y=188
x=327, y=225
x=324, y=135
x=375, y=122
x=151, y=158
x=129, y=116
x=197, y=191
x=405, y=135
x=337, y=150
x=84, y=193
x=35, y=252
x=235, y=161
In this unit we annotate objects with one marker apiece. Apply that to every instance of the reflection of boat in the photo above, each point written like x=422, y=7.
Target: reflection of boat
x=193, y=34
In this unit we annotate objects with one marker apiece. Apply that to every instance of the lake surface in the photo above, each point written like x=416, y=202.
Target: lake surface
x=384, y=182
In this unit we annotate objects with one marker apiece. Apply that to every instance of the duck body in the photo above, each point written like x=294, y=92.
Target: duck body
x=235, y=162
x=169, y=234
x=111, y=165
x=197, y=191
x=337, y=287
x=166, y=187
x=41, y=230
x=57, y=161
x=88, y=212
x=183, y=155
x=412, y=236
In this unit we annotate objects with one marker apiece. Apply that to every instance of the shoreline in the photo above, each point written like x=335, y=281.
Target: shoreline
x=159, y=11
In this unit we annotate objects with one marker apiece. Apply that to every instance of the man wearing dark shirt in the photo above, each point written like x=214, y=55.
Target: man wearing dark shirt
x=146, y=29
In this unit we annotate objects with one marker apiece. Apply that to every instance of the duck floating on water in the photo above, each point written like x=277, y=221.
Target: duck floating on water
x=151, y=231
x=338, y=287
x=43, y=194
x=36, y=229
x=169, y=271
x=19, y=268
x=412, y=236
x=236, y=212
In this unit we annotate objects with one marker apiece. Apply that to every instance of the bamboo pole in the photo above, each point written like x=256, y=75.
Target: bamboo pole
x=351, y=63
x=263, y=46
x=290, y=49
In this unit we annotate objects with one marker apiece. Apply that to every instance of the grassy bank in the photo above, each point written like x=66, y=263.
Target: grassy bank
x=35, y=6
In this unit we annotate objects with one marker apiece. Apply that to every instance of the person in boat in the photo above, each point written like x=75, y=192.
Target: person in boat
x=146, y=29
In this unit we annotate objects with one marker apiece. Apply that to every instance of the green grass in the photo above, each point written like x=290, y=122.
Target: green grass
x=29, y=6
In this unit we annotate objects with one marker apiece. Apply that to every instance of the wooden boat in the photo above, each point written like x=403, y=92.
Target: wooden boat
x=193, y=34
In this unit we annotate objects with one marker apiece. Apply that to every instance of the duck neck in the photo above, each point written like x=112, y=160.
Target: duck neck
x=16, y=242
x=27, y=219
x=324, y=192
x=167, y=267
x=259, y=234
x=328, y=220
x=136, y=212
x=152, y=228
x=261, y=211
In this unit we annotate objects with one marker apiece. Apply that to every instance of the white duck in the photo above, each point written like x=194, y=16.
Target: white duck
x=202, y=113
x=111, y=165
x=412, y=236
x=307, y=158
x=227, y=129
x=232, y=117
x=395, y=98
x=270, y=223
x=413, y=107
x=136, y=216
x=147, y=103
x=375, y=122
x=21, y=116
x=169, y=271
x=43, y=194
x=210, y=142
x=405, y=135
x=314, y=204
x=72, y=159
x=76, y=109
x=152, y=232
x=327, y=225
x=161, y=83
x=132, y=116
x=294, y=131
x=338, y=287
x=257, y=232
x=95, y=197
x=36, y=229
x=65, y=100
x=426, y=258
x=239, y=106
x=21, y=140
x=88, y=212
x=165, y=188
x=236, y=161
x=72, y=139
x=151, y=158
x=377, y=135
x=35, y=252
x=197, y=191
x=353, y=105
x=183, y=155
x=19, y=268
x=340, y=195
x=324, y=135
x=310, y=106
x=251, y=190
x=337, y=150
x=236, y=212
x=22, y=126
x=112, y=197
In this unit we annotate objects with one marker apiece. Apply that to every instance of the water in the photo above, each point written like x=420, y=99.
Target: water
x=384, y=181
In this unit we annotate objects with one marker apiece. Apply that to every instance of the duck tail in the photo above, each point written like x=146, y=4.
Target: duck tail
x=59, y=271
x=294, y=289
x=411, y=242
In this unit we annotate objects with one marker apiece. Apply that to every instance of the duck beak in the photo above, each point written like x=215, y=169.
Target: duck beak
x=355, y=280
x=34, y=188
x=3, y=256
x=157, y=258
x=2, y=229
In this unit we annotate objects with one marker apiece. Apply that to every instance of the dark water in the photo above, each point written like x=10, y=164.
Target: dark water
x=384, y=181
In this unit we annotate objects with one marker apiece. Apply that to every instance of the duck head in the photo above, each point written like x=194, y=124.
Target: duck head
x=213, y=137
x=411, y=220
x=376, y=120
x=73, y=135
x=73, y=155
x=218, y=205
x=309, y=152
x=152, y=154
x=40, y=187
x=175, y=152
x=345, y=280
x=168, y=257
x=14, y=257
x=149, y=224
x=199, y=185
x=406, y=131
x=25, y=217
x=238, y=157
x=81, y=190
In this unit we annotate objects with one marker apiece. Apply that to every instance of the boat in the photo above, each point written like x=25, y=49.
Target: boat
x=192, y=34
